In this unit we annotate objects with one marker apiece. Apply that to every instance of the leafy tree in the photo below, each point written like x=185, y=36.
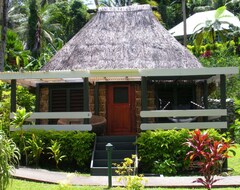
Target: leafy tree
x=33, y=29
x=79, y=17
x=4, y=20
x=16, y=56
x=234, y=6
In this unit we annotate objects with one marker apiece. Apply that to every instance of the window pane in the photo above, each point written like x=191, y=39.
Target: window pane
x=59, y=100
x=120, y=95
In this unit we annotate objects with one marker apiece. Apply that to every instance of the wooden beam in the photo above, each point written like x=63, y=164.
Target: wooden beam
x=190, y=72
x=183, y=113
x=44, y=75
x=119, y=73
x=82, y=127
x=193, y=125
x=58, y=115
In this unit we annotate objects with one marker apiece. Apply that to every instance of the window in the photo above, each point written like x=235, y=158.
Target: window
x=65, y=99
x=120, y=95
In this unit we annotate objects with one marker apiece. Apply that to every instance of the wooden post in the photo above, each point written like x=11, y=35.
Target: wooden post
x=223, y=106
x=205, y=94
x=37, y=101
x=86, y=97
x=144, y=96
x=223, y=94
x=205, y=97
x=96, y=98
x=175, y=96
x=13, y=95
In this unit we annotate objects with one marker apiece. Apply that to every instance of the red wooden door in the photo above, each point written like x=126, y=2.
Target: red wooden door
x=120, y=109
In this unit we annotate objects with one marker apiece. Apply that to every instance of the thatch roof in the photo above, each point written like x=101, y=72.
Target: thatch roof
x=122, y=38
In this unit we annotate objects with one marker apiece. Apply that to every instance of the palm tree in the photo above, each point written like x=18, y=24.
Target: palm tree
x=4, y=20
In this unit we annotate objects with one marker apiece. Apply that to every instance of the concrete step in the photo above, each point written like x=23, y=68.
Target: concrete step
x=104, y=162
x=111, y=139
x=123, y=147
x=116, y=154
x=116, y=146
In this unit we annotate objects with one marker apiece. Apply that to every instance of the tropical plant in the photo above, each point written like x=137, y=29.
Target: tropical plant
x=236, y=126
x=128, y=176
x=210, y=29
x=9, y=157
x=55, y=152
x=35, y=148
x=208, y=154
x=18, y=120
x=20, y=117
x=166, y=167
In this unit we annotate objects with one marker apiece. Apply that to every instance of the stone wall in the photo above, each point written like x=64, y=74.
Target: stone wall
x=216, y=104
x=102, y=100
x=91, y=98
x=43, y=105
x=150, y=103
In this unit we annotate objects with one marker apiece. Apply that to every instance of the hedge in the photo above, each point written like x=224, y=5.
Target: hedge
x=77, y=146
x=163, y=152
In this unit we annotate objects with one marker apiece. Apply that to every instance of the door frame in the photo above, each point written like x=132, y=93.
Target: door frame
x=132, y=99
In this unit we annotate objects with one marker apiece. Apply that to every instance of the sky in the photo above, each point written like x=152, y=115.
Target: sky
x=90, y=4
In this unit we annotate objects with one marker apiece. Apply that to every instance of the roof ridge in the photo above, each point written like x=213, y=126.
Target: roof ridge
x=125, y=8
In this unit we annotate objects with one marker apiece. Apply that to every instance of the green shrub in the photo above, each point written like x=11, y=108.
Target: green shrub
x=9, y=157
x=77, y=146
x=162, y=152
x=24, y=100
x=55, y=152
x=34, y=147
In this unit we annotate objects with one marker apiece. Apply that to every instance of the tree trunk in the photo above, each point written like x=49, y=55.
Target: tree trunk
x=4, y=19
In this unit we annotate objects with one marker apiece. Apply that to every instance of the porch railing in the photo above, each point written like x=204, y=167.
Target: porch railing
x=177, y=114
x=57, y=115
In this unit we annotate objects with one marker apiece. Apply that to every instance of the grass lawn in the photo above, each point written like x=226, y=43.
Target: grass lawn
x=233, y=162
x=26, y=185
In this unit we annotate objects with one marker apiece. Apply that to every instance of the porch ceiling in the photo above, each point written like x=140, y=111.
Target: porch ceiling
x=33, y=78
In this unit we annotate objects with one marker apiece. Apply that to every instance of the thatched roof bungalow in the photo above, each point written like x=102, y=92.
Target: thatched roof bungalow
x=122, y=63
x=128, y=72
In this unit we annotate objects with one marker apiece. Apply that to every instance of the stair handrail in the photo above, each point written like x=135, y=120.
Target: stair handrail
x=136, y=159
x=94, y=148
